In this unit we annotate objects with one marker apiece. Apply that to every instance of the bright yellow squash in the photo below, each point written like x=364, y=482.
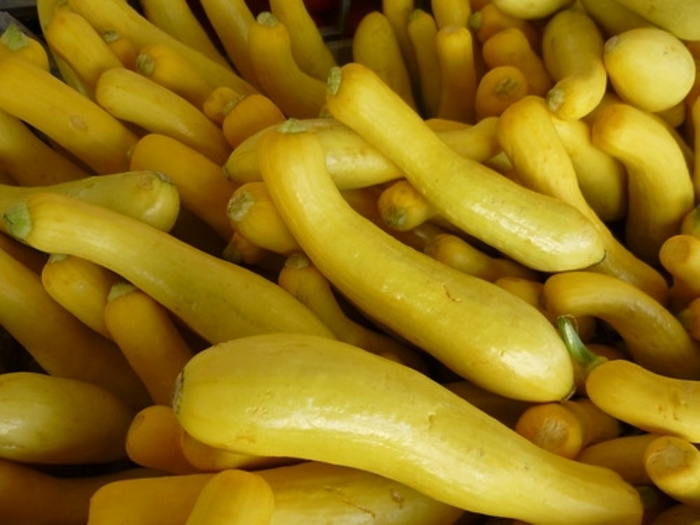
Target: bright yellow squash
x=293, y=395
x=541, y=232
x=479, y=330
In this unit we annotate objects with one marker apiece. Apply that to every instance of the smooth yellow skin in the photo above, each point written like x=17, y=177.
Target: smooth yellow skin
x=673, y=464
x=419, y=297
x=251, y=212
x=153, y=441
x=311, y=493
x=115, y=15
x=450, y=12
x=30, y=161
x=297, y=93
x=149, y=338
x=177, y=19
x=519, y=224
x=351, y=160
x=61, y=344
x=453, y=250
x=65, y=115
x=231, y=20
x=421, y=29
x=81, y=287
x=249, y=115
x=531, y=9
x=355, y=163
x=171, y=69
x=308, y=46
x=70, y=36
x=676, y=16
x=565, y=428
x=217, y=304
x=304, y=281
x=307, y=397
x=660, y=186
x=542, y=162
x=649, y=67
x=510, y=46
x=402, y=207
x=45, y=10
x=627, y=391
x=200, y=182
x=612, y=17
x=15, y=42
x=155, y=500
x=234, y=497
x=653, y=336
x=134, y=98
x=601, y=177
x=572, y=50
x=623, y=454
x=455, y=47
x=376, y=45
x=122, y=47
x=680, y=256
x=142, y=194
x=398, y=13
x=55, y=420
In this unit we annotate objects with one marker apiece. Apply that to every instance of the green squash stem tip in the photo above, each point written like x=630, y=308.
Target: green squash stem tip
x=291, y=125
x=335, y=76
x=18, y=220
x=579, y=352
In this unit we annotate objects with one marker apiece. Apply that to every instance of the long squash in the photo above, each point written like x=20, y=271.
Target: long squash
x=115, y=15
x=145, y=195
x=65, y=115
x=221, y=302
x=539, y=231
x=457, y=318
x=301, y=396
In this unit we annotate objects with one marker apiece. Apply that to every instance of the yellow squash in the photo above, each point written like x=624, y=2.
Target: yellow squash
x=65, y=115
x=479, y=330
x=115, y=15
x=223, y=301
x=572, y=50
x=57, y=420
x=143, y=194
x=312, y=398
x=676, y=16
x=540, y=231
x=649, y=68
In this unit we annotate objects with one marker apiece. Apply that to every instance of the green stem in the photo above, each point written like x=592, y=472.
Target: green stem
x=335, y=75
x=119, y=289
x=291, y=125
x=145, y=64
x=578, y=351
x=18, y=220
x=266, y=18
x=14, y=38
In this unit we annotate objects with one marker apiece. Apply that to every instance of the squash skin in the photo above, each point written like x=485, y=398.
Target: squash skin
x=543, y=233
x=291, y=395
x=411, y=293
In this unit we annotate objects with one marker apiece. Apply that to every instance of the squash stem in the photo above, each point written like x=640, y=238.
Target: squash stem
x=335, y=75
x=291, y=125
x=580, y=353
x=18, y=220
x=13, y=38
